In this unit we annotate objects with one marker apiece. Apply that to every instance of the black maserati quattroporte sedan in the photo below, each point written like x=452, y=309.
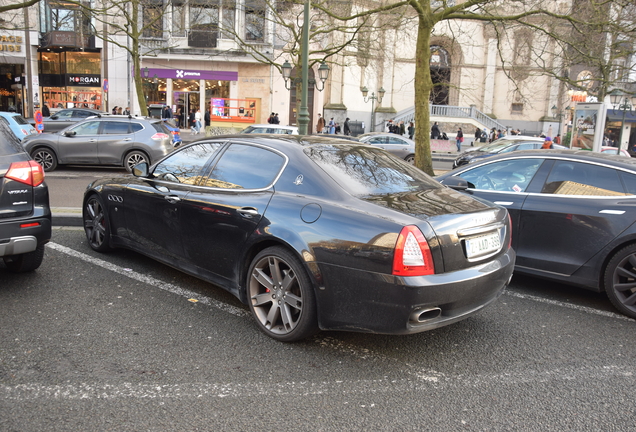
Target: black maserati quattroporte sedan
x=310, y=232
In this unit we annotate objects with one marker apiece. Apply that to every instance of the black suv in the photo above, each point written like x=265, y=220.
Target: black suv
x=25, y=215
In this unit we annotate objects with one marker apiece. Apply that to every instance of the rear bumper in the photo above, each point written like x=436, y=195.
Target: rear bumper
x=16, y=239
x=379, y=303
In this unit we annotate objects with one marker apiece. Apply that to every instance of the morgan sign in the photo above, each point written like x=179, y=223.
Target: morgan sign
x=83, y=80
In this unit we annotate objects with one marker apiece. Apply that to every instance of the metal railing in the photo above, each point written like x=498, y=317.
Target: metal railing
x=471, y=112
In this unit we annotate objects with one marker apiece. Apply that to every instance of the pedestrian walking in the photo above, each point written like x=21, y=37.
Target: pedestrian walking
x=435, y=132
x=459, y=139
x=321, y=124
x=411, y=130
x=347, y=129
x=332, y=126
x=197, y=121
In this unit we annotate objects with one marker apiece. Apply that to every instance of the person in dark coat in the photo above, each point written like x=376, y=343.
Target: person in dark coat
x=411, y=130
x=347, y=129
x=45, y=111
x=459, y=139
x=435, y=132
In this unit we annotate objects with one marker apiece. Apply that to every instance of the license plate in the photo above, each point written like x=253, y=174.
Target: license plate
x=482, y=245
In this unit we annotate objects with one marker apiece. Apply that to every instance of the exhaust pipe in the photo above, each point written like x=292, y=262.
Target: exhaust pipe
x=423, y=315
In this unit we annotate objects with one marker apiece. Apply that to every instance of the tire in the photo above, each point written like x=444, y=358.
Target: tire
x=96, y=224
x=280, y=296
x=620, y=280
x=410, y=159
x=46, y=158
x=25, y=262
x=133, y=158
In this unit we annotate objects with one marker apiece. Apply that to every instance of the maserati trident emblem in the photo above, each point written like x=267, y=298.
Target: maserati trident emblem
x=299, y=180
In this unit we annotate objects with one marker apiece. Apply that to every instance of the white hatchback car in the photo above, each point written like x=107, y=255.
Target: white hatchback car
x=270, y=129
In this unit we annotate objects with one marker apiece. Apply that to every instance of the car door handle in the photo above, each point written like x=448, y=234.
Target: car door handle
x=248, y=212
x=93, y=140
x=172, y=199
x=614, y=212
x=127, y=139
x=504, y=203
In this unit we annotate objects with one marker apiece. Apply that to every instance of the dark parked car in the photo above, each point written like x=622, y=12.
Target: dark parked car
x=310, y=232
x=502, y=145
x=66, y=117
x=400, y=146
x=573, y=215
x=25, y=216
x=108, y=140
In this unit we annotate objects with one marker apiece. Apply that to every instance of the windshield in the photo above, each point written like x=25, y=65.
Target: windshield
x=364, y=171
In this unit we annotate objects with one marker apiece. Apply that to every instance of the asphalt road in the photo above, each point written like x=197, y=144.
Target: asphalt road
x=101, y=342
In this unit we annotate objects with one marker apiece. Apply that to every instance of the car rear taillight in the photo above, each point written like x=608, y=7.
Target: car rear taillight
x=412, y=256
x=27, y=172
x=159, y=136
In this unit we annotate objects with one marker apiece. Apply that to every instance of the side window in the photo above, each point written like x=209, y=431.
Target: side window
x=509, y=149
x=64, y=114
x=185, y=165
x=508, y=175
x=82, y=113
x=258, y=130
x=376, y=140
x=115, y=128
x=395, y=140
x=528, y=146
x=87, y=128
x=245, y=167
x=577, y=178
x=136, y=127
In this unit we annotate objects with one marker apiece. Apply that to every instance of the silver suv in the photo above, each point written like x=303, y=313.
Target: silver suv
x=102, y=140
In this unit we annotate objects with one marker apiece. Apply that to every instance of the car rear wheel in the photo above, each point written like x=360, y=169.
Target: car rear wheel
x=410, y=159
x=25, y=262
x=96, y=225
x=280, y=296
x=133, y=158
x=46, y=158
x=620, y=280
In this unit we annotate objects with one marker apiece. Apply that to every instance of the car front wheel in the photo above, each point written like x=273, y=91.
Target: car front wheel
x=96, y=224
x=620, y=280
x=410, y=159
x=280, y=296
x=133, y=158
x=46, y=158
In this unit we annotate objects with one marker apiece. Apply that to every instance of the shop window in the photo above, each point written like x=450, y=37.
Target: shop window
x=49, y=63
x=82, y=62
x=254, y=21
x=152, y=18
x=228, y=12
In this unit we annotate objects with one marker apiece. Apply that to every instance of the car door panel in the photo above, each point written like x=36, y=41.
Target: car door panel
x=114, y=141
x=80, y=147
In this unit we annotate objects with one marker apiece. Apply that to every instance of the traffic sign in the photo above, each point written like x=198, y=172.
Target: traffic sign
x=105, y=86
x=37, y=116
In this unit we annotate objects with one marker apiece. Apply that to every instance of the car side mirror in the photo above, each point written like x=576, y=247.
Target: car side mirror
x=70, y=133
x=141, y=170
x=457, y=183
x=53, y=117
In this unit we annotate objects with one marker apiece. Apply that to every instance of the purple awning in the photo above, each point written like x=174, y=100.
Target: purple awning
x=191, y=74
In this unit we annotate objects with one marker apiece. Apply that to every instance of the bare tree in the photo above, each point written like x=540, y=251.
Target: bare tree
x=19, y=5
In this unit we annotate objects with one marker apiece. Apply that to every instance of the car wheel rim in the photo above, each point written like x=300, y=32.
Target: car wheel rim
x=135, y=159
x=44, y=158
x=624, y=282
x=275, y=295
x=94, y=223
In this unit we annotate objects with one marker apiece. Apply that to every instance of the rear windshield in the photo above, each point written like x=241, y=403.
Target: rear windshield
x=20, y=120
x=160, y=127
x=365, y=170
x=9, y=144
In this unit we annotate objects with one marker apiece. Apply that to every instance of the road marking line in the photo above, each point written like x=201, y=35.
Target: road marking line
x=569, y=306
x=129, y=390
x=174, y=289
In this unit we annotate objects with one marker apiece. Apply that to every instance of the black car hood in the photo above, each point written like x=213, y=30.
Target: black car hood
x=428, y=203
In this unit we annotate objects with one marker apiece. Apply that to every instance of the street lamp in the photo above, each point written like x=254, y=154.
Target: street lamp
x=372, y=98
x=323, y=74
x=625, y=102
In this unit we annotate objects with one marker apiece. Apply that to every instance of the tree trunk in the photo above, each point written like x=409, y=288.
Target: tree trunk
x=423, y=87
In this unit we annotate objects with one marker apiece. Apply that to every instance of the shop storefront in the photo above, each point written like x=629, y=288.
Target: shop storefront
x=70, y=79
x=12, y=72
x=189, y=90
